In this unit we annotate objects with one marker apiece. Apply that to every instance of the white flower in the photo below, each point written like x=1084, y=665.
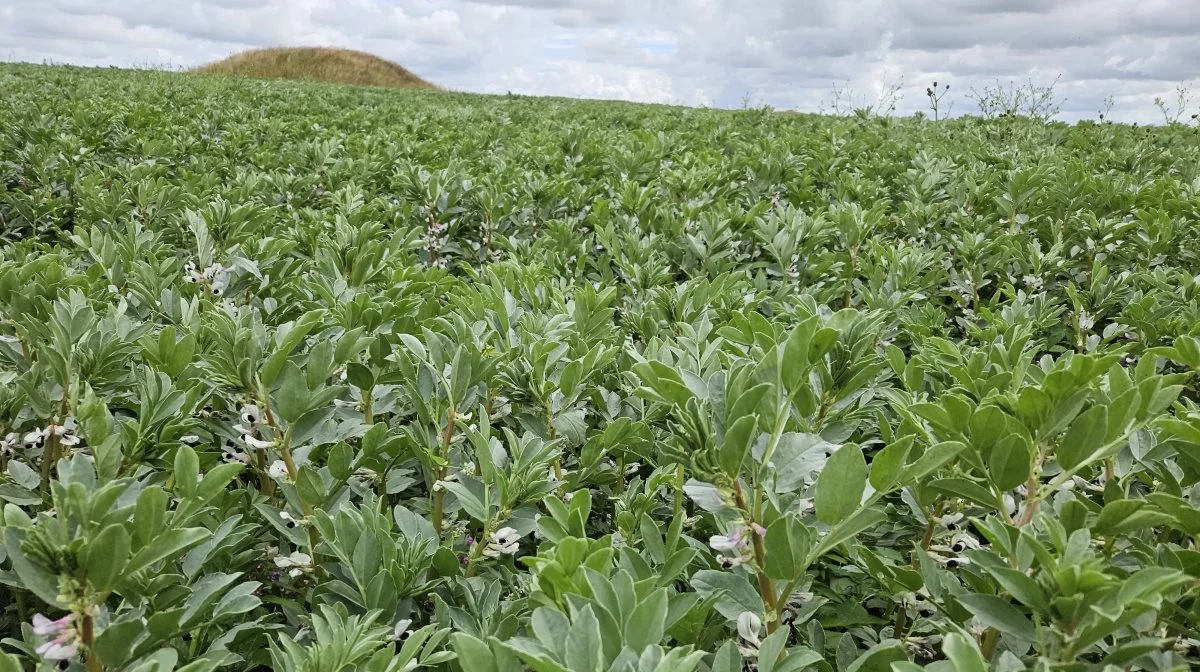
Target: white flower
x=189, y=439
x=44, y=627
x=297, y=563
x=504, y=541
x=288, y=521
x=65, y=641
x=1086, y=321
x=729, y=562
x=8, y=445
x=1086, y=484
x=720, y=542
x=56, y=650
x=230, y=455
x=250, y=415
x=748, y=627
x=737, y=540
x=952, y=561
x=963, y=542
x=278, y=469
x=400, y=631
x=249, y=440
x=918, y=601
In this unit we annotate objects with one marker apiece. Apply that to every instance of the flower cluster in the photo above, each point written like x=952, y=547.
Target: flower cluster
x=435, y=240
x=62, y=639
x=8, y=445
x=213, y=278
x=65, y=433
x=249, y=428
x=736, y=542
x=503, y=541
x=296, y=564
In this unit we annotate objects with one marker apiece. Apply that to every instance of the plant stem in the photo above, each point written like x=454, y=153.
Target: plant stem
x=477, y=552
x=900, y=624
x=766, y=585
x=988, y=642
x=677, y=507
x=439, y=495
x=285, y=451
x=88, y=635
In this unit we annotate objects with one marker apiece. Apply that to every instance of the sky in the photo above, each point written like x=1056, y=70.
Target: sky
x=789, y=54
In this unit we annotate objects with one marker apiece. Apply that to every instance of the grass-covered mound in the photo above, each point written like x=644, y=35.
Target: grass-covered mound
x=342, y=66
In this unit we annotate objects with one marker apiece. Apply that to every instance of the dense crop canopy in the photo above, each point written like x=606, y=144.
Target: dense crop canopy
x=314, y=378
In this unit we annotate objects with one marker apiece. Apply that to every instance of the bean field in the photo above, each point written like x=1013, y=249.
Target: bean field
x=316, y=378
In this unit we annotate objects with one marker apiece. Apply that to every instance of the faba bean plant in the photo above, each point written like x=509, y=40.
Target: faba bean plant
x=315, y=378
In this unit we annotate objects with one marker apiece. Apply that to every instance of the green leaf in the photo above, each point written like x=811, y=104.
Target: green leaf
x=1124, y=515
x=1020, y=586
x=1085, y=437
x=727, y=658
x=309, y=486
x=165, y=546
x=738, y=439
x=879, y=658
x=787, y=544
x=360, y=376
x=964, y=489
x=1009, y=462
x=845, y=531
x=841, y=484
x=583, y=643
x=474, y=650
x=238, y=600
x=117, y=642
x=733, y=592
x=107, y=554
x=292, y=396
x=999, y=614
x=187, y=471
x=963, y=653
x=647, y=623
x=469, y=493
x=888, y=465
x=38, y=581
x=934, y=458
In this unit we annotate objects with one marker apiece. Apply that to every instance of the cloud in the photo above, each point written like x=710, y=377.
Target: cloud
x=785, y=53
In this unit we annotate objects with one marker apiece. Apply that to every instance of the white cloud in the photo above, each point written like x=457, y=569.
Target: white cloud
x=786, y=53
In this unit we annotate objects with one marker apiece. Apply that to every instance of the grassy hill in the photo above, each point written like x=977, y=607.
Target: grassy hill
x=344, y=66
